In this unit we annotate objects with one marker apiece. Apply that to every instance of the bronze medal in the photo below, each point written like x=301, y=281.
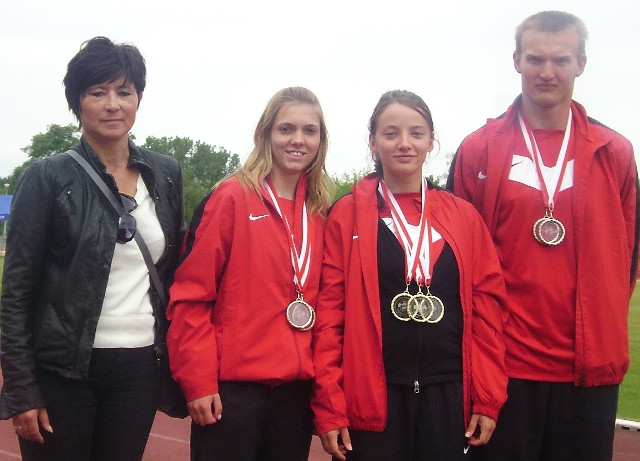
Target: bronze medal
x=301, y=315
x=548, y=230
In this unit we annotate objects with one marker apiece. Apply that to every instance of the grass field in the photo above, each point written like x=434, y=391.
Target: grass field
x=629, y=404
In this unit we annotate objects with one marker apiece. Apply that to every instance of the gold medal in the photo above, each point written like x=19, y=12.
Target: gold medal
x=400, y=305
x=300, y=314
x=420, y=307
x=437, y=308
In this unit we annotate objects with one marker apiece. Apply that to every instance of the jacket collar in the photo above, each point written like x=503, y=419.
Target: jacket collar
x=137, y=157
x=582, y=123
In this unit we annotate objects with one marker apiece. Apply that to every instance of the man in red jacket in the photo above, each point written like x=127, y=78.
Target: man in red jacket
x=558, y=191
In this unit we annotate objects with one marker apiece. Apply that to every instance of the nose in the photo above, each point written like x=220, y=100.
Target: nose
x=547, y=71
x=112, y=101
x=297, y=138
x=403, y=140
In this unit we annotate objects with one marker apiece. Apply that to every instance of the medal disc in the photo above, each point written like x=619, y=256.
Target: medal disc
x=437, y=311
x=400, y=306
x=301, y=315
x=548, y=231
x=420, y=307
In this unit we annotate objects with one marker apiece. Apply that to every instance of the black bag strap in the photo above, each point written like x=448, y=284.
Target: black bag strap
x=155, y=278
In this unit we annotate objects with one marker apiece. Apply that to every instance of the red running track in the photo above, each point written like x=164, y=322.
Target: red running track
x=169, y=441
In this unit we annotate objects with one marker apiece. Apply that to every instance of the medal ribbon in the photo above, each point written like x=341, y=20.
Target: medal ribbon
x=417, y=255
x=555, y=174
x=300, y=261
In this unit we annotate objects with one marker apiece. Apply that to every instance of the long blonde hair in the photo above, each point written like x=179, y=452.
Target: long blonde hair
x=260, y=161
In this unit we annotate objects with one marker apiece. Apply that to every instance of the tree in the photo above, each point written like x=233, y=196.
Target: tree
x=203, y=165
x=57, y=138
x=345, y=182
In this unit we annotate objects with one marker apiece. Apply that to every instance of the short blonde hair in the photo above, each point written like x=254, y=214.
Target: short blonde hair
x=554, y=21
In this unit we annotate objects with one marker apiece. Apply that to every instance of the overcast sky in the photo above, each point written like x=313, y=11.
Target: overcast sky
x=213, y=65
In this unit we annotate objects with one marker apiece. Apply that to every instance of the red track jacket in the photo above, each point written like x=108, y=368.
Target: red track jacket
x=230, y=294
x=605, y=205
x=350, y=387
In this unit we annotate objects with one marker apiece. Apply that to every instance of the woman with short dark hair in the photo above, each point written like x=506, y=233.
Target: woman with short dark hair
x=81, y=328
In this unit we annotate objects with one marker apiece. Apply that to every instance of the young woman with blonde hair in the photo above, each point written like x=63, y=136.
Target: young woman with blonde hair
x=242, y=305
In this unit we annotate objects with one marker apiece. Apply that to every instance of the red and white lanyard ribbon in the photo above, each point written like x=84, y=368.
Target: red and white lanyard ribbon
x=550, y=178
x=417, y=254
x=300, y=260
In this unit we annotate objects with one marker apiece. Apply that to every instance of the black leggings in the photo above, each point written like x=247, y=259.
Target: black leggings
x=424, y=426
x=543, y=421
x=259, y=423
x=105, y=417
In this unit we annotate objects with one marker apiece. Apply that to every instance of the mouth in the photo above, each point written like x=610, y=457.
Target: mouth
x=296, y=153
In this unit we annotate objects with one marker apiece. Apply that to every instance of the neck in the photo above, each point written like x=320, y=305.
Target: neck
x=404, y=185
x=551, y=118
x=285, y=185
x=114, y=155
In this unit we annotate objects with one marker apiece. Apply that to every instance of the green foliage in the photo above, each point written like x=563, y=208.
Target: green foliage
x=629, y=401
x=345, y=182
x=57, y=138
x=203, y=165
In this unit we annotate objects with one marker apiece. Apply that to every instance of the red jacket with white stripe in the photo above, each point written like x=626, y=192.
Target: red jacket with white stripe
x=605, y=206
x=350, y=385
x=230, y=294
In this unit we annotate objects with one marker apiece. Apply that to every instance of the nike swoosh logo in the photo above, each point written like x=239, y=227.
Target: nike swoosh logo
x=466, y=449
x=517, y=162
x=481, y=175
x=255, y=218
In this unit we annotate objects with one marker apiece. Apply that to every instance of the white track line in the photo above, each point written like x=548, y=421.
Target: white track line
x=172, y=439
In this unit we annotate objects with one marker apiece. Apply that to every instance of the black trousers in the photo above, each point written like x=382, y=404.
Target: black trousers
x=259, y=423
x=424, y=426
x=105, y=417
x=543, y=421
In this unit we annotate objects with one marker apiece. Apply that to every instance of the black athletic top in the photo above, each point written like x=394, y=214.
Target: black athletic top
x=412, y=351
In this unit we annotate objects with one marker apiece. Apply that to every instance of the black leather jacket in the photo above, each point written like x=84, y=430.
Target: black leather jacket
x=60, y=244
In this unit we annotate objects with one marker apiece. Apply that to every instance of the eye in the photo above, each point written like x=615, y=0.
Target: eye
x=390, y=134
x=534, y=60
x=124, y=93
x=418, y=133
x=563, y=61
x=311, y=130
x=97, y=93
x=285, y=129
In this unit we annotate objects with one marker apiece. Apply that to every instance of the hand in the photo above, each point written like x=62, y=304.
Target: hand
x=205, y=410
x=480, y=429
x=27, y=425
x=331, y=446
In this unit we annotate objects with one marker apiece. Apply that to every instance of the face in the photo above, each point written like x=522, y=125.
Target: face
x=402, y=141
x=108, y=110
x=548, y=64
x=295, y=139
